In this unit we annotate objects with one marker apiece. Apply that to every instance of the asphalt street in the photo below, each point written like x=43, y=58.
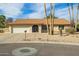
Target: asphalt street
x=44, y=49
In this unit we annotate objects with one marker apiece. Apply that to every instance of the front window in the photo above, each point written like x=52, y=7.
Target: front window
x=44, y=28
x=61, y=27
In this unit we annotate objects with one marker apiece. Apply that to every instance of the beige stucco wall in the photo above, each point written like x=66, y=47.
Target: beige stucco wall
x=39, y=28
x=7, y=30
x=56, y=28
x=22, y=28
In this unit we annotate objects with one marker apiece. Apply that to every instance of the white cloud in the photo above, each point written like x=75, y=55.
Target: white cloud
x=39, y=8
x=63, y=13
x=33, y=16
x=14, y=10
x=39, y=11
x=11, y=9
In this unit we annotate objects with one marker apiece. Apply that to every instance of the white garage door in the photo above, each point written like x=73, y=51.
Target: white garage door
x=21, y=29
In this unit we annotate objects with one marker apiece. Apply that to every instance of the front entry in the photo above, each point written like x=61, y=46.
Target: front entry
x=77, y=29
x=35, y=28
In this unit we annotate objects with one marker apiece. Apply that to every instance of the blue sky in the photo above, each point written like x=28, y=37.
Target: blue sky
x=33, y=10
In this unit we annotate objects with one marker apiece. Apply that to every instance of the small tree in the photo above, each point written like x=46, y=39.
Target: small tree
x=61, y=27
x=2, y=22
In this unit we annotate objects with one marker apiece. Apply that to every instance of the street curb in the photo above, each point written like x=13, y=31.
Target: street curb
x=64, y=43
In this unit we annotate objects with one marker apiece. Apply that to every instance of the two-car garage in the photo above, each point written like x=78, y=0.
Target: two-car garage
x=21, y=29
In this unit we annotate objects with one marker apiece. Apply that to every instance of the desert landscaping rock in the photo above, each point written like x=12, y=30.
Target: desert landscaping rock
x=37, y=37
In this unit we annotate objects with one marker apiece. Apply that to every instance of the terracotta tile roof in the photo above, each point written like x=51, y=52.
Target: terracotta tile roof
x=38, y=21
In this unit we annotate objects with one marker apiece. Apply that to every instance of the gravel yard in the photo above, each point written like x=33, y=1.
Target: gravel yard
x=38, y=37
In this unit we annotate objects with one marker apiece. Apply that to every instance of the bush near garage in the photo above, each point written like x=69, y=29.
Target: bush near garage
x=70, y=30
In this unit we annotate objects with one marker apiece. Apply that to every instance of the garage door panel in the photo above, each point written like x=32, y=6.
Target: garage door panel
x=20, y=30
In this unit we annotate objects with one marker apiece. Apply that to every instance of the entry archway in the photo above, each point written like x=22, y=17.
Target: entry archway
x=35, y=28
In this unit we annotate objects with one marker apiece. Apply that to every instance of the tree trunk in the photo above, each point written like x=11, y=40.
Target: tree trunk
x=76, y=18
x=45, y=14
x=52, y=18
x=72, y=15
x=69, y=13
x=60, y=32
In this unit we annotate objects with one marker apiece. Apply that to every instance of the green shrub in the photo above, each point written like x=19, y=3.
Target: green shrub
x=70, y=30
x=1, y=31
x=78, y=26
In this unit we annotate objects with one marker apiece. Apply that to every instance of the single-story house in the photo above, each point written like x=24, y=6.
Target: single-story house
x=36, y=25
